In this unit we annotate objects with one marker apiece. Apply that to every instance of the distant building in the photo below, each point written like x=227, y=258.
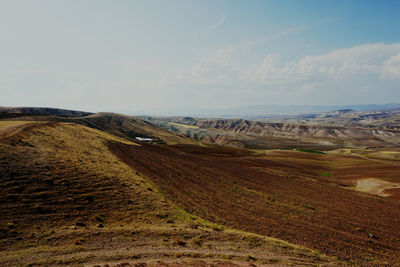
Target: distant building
x=142, y=139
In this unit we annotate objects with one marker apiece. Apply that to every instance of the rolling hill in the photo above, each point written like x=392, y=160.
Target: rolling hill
x=40, y=111
x=79, y=189
x=67, y=200
x=117, y=124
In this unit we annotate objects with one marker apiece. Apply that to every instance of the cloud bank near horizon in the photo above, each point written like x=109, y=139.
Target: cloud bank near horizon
x=221, y=79
x=141, y=56
x=363, y=69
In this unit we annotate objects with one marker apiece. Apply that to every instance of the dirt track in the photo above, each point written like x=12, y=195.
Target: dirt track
x=287, y=199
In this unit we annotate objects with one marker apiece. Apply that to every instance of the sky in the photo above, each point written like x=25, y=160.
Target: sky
x=153, y=57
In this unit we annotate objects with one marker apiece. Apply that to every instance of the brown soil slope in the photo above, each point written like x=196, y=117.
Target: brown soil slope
x=130, y=127
x=120, y=125
x=287, y=199
x=66, y=200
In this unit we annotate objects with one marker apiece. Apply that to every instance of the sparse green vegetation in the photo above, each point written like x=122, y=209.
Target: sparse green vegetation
x=310, y=151
x=250, y=258
x=326, y=174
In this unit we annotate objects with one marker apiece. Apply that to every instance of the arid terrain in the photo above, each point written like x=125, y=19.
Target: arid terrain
x=326, y=132
x=299, y=197
x=79, y=189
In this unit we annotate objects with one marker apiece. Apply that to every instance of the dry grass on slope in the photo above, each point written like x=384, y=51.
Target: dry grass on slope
x=123, y=126
x=64, y=172
x=66, y=200
x=130, y=127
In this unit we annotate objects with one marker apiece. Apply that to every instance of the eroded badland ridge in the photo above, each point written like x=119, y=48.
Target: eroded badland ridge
x=324, y=131
x=80, y=189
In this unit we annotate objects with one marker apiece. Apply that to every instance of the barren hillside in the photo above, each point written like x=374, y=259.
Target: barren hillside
x=254, y=134
x=117, y=124
x=67, y=200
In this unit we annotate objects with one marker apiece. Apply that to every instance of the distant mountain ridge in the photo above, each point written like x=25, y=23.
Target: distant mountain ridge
x=41, y=111
x=246, y=112
x=299, y=109
x=273, y=110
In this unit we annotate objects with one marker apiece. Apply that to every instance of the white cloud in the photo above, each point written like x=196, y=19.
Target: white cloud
x=216, y=68
x=225, y=77
x=269, y=68
x=377, y=59
x=341, y=74
x=391, y=68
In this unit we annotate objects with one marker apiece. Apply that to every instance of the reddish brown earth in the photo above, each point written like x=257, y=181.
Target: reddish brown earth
x=66, y=200
x=287, y=198
x=395, y=193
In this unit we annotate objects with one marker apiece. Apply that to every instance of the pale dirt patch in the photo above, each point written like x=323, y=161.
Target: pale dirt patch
x=375, y=186
x=391, y=155
x=327, y=143
x=184, y=125
x=390, y=152
x=6, y=124
x=8, y=128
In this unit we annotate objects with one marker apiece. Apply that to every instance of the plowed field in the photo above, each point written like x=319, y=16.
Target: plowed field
x=66, y=200
x=287, y=198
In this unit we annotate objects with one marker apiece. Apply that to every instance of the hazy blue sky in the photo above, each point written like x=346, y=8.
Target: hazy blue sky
x=149, y=56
